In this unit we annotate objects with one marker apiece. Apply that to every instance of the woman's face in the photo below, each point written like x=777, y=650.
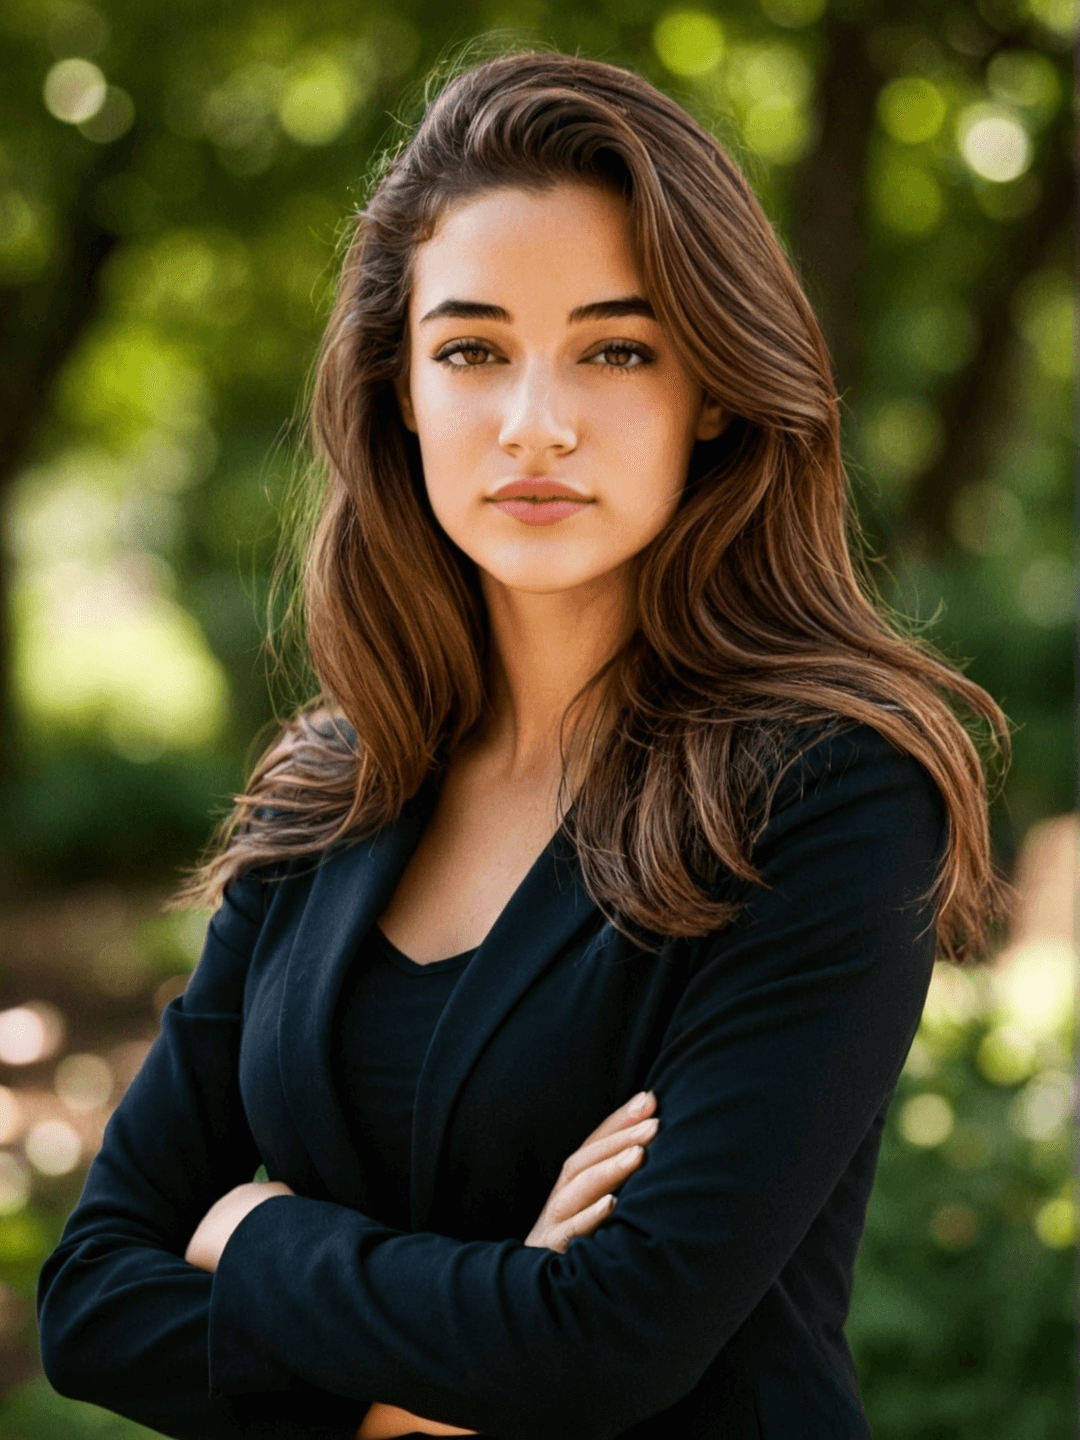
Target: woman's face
x=535, y=358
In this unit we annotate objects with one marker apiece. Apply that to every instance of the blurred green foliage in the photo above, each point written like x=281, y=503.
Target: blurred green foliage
x=36, y=1412
x=962, y=1319
x=174, y=186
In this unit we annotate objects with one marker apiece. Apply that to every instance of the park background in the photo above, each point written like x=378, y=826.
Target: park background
x=175, y=183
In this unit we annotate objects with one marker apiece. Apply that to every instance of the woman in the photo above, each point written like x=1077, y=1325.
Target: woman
x=617, y=783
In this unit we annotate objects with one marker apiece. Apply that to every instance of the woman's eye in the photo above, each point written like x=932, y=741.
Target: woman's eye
x=622, y=356
x=473, y=355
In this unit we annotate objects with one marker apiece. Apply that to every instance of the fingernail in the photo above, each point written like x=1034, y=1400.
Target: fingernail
x=639, y=1102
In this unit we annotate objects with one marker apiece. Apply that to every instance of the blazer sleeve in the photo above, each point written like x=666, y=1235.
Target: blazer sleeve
x=123, y=1318
x=786, y=1043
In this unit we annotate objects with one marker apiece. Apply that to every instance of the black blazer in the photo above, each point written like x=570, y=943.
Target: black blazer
x=711, y=1302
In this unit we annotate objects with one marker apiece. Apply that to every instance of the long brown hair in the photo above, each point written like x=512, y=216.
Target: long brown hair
x=754, y=621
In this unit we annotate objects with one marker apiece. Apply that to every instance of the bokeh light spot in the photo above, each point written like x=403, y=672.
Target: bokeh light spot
x=906, y=197
x=53, y=1147
x=911, y=109
x=29, y=1033
x=689, y=42
x=1025, y=78
x=1044, y=310
x=1046, y=592
x=114, y=119
x=74, y=90
x=773, y=72
x=779, y=129
x=1060, y=17
x=83, y=1081
x=920, y=1061
x=987, y=518
x=318, y=100
x=1033, y=984
x=902, y=438
x=1041, y=1109
x=926, y=1120
x=22, y=1238
x=1006, y=1056
x=994, y=143
x=1055, y=1223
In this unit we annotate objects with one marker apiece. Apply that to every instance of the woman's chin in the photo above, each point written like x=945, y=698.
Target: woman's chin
x=546, y=579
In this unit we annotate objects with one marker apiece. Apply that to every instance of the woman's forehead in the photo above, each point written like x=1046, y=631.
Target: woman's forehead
x=514, y=248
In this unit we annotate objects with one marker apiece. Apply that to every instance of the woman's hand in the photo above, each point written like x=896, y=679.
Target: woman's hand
x=583, y=1197
x=383, y=1421
x=584, y=1194
x=213, y=1230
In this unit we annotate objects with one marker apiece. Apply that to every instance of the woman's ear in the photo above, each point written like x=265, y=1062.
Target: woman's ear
x=713, y=420
x=401, y=390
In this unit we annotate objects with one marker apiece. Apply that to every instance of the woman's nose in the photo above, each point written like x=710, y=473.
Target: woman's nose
x=538, y=414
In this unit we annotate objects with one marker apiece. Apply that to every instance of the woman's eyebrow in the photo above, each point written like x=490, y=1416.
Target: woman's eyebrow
x=598, y=310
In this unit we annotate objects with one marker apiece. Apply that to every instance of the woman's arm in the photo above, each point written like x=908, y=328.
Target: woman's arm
x=123, y=1317
x=582, y=1198
x=786, y=1043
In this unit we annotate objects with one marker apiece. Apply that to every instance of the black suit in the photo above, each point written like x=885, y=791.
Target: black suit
x=710, y=1304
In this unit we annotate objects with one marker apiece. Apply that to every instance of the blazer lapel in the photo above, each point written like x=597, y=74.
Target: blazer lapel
x=542, y=916
x=348, y=893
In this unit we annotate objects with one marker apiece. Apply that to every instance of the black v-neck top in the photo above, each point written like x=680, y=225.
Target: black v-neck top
x=386, y=1014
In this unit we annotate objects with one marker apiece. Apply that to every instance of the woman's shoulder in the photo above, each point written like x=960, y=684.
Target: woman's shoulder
x=830, y=746
x=841, y=767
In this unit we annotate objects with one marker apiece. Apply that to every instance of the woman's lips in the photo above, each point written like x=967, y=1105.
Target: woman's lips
x=536, y=501
x=540, y=512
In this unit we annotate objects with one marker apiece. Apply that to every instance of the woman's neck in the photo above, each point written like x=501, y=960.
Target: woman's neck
x=544, y=647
